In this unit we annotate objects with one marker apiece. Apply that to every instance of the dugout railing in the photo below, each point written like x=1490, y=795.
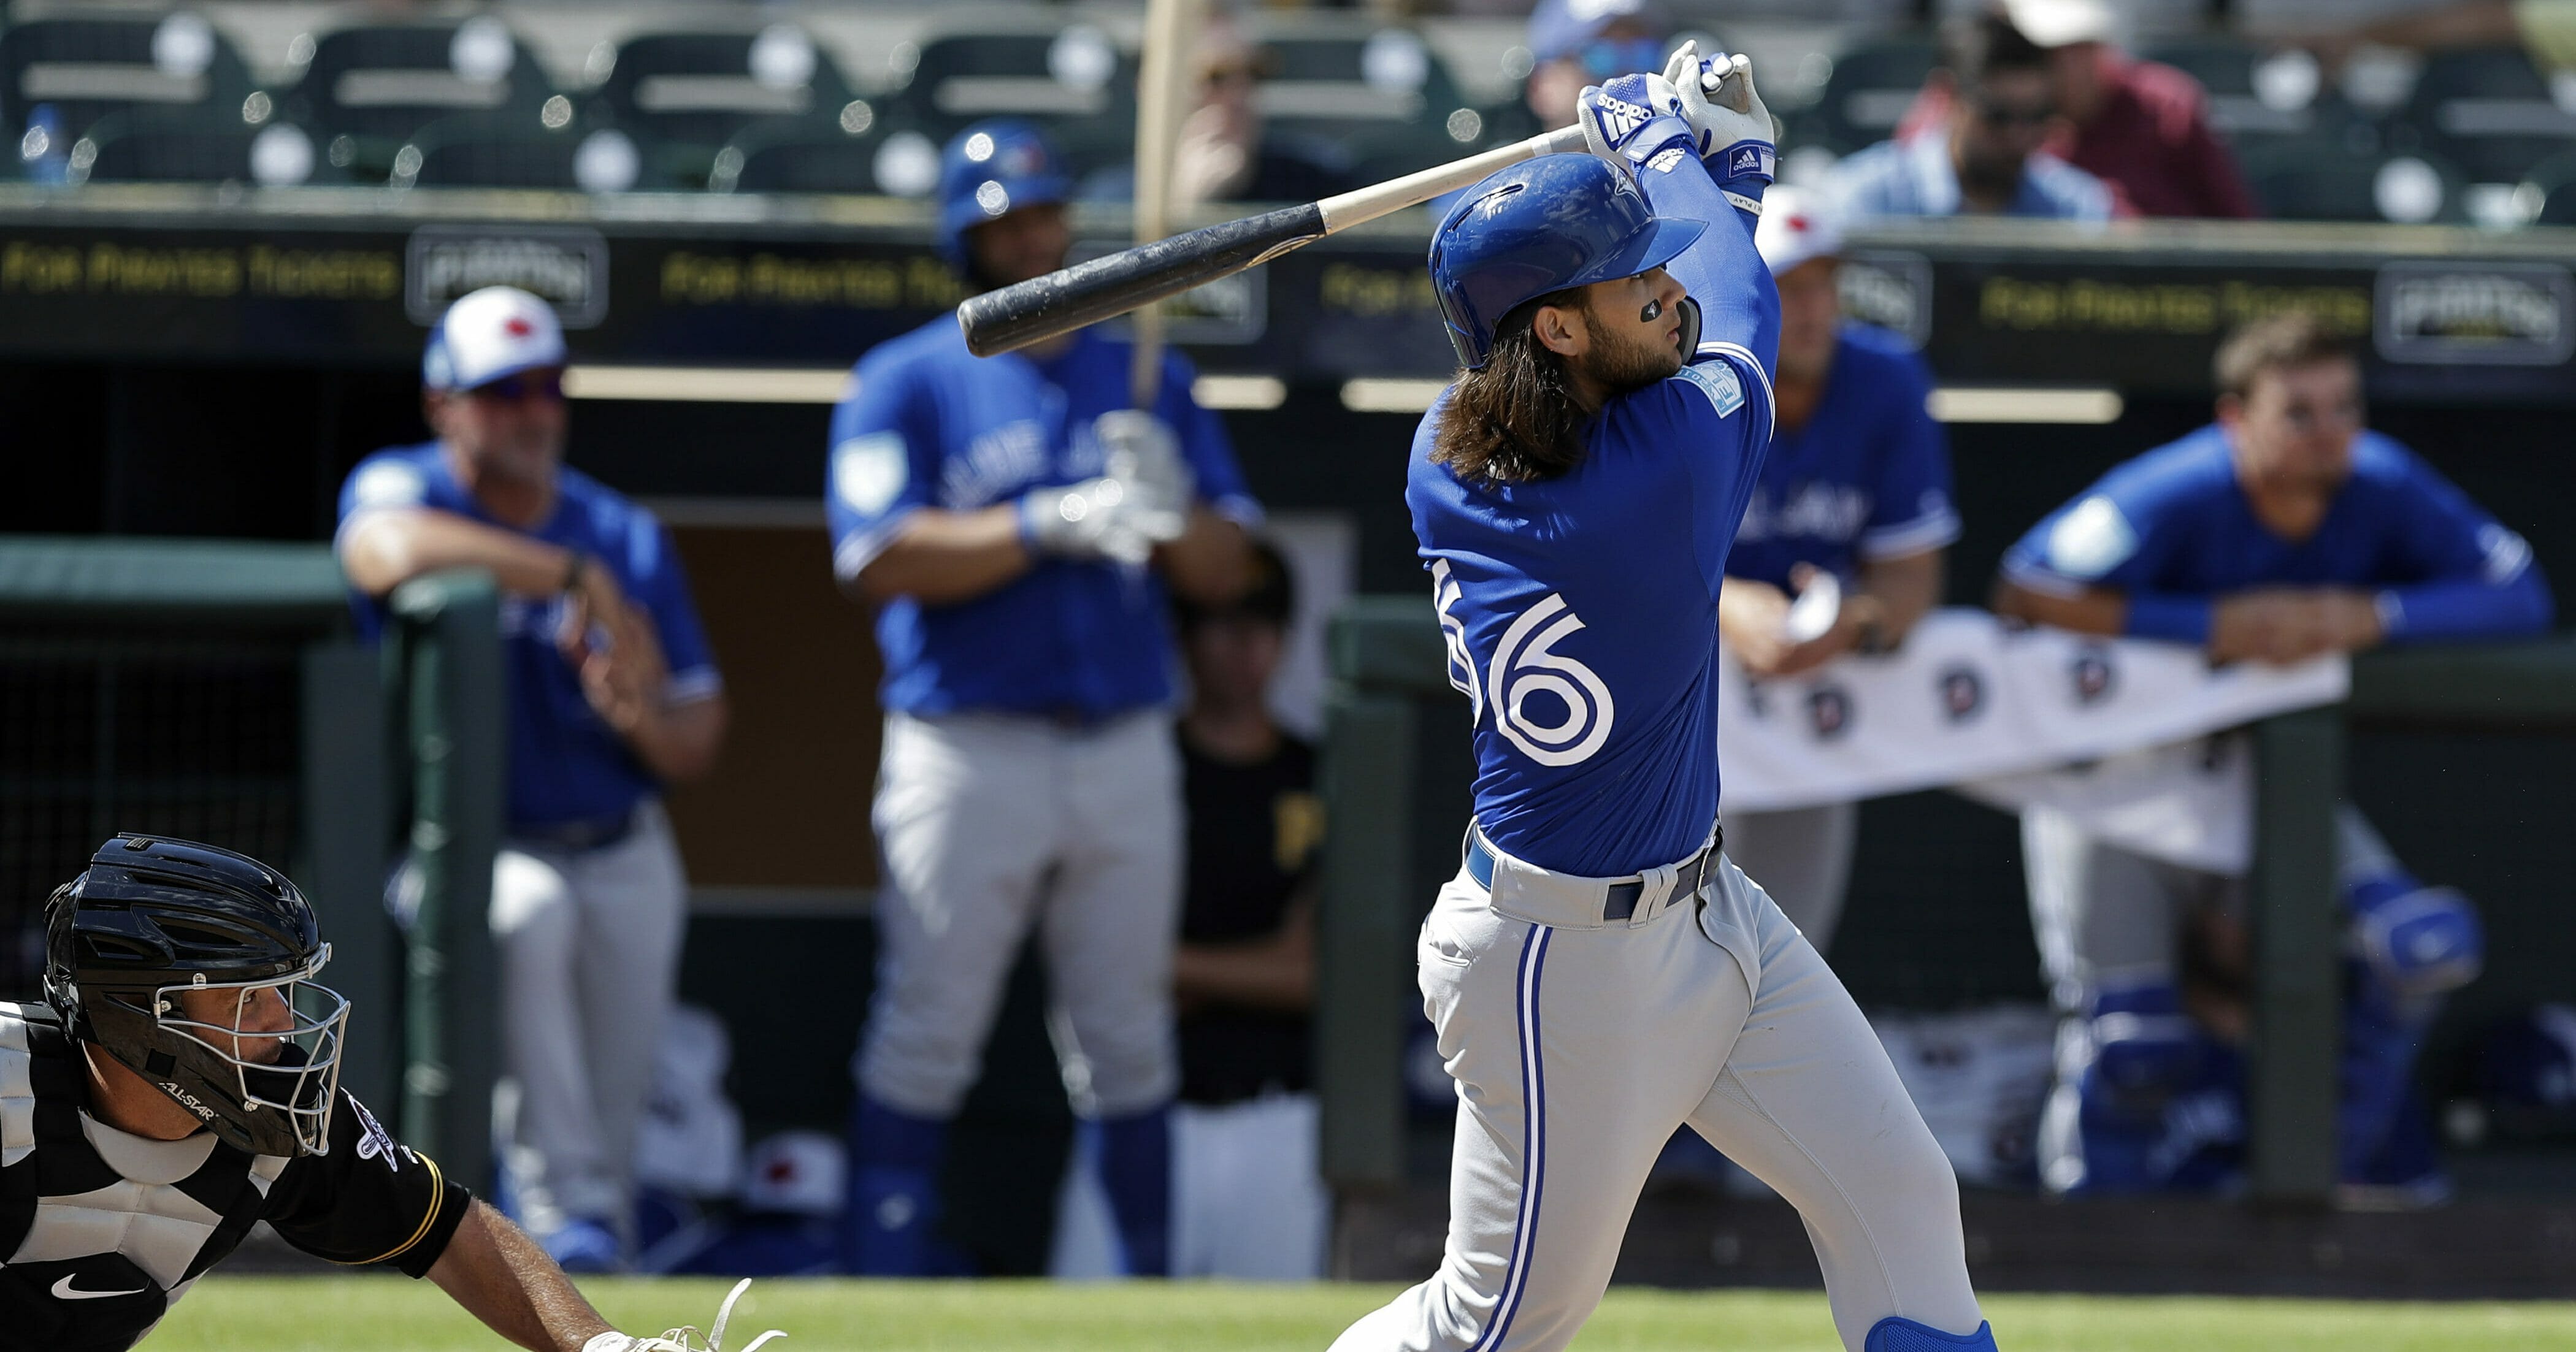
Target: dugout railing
x=216, y=690
x=1394, y=787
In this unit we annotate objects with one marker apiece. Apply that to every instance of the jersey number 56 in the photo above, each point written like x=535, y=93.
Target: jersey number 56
x=1526, y=664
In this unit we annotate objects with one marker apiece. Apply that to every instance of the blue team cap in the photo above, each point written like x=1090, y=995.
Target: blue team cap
x=991, y=169
x=1562, y=28
x=1543, y=225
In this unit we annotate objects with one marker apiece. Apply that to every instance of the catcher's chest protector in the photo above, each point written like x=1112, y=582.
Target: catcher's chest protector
x=100, y=1231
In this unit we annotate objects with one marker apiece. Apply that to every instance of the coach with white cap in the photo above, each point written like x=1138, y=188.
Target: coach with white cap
x=612, y=694
x=1841, y=548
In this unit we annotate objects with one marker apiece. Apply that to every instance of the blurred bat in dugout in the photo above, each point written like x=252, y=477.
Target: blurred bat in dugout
x=1107, y=287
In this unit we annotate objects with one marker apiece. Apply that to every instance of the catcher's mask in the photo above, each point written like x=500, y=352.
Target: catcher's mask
x=193, y=966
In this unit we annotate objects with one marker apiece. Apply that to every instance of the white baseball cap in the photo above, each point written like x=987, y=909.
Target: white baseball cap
x=2055, y=23
x=489, y=334
x=1797, y=226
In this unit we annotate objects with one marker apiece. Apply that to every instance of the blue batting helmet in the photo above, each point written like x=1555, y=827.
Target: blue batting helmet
x=992, y=168
x=1542, y=226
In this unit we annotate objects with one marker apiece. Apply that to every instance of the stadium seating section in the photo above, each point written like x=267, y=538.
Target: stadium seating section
x=739, y=105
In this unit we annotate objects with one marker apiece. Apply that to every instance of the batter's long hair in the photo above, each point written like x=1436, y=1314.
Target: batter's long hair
x=1516, y=420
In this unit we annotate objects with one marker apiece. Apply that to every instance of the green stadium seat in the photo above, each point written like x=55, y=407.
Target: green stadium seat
x=692, y=93
x=2490, y=111
x=86, y=68
x=1382, y=98
x=2324, y=181
x=1073, y=81
x=511, y=150
x=1868, y=92
x=166, y=145
x=2554, y=181
x=795, y=155
x=366, y=90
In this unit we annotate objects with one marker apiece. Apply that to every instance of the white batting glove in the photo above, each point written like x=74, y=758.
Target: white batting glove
x=1141, y=501
x=684, y=1338
x=1138, y=449
x=1627, y=120
x=1733, y=129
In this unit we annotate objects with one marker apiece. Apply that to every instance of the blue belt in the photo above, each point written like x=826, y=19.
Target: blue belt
x=1619, y=902
x=577, y=836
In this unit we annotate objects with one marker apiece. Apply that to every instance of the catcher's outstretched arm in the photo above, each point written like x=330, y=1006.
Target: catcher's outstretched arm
x=501, y=1277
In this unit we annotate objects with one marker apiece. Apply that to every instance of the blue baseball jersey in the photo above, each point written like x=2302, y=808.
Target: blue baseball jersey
x=1581, y=611
x=932, y=425
x=1867, y=477
x=2174, y=530
x=1914, y=177
x=565, y=764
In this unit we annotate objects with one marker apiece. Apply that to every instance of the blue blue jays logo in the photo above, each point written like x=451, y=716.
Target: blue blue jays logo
x=1829, y=712
x=1963, y=693
x=2092, y=674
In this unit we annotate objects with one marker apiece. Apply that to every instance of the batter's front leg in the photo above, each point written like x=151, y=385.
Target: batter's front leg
x=1565, y=1100
x=1809, y=1102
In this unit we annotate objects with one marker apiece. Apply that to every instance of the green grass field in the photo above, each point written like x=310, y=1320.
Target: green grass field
x=274, y=1314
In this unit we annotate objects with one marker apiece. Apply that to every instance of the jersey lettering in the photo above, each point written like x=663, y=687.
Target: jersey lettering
x=1453, y=635
x=1525, y=664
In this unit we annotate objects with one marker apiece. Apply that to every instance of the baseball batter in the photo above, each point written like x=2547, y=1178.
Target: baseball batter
x=1015, y=523
x=1851, y=516
x=1599, y=973
x=2282, y=531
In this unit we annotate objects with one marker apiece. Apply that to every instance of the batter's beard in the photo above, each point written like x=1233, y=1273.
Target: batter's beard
x=1619, y=367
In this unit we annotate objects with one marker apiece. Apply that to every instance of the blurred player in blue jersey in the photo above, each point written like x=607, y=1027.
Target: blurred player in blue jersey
x=612, y=694
x=1598, y=972
x=1015, y=524
x=2283, y=531
x=1855, y=499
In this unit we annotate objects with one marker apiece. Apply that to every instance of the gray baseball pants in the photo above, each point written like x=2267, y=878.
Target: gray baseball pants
x=989, y=824
x=589, y=947
x=1579, y=1045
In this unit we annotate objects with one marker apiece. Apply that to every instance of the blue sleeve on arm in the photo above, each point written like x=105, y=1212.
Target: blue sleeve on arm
x=2479, y=579
x=1721, y=270
x=2173, y=618
x=1910, y=505
x=881, y=467
x=1205, y=445
x=665, y=594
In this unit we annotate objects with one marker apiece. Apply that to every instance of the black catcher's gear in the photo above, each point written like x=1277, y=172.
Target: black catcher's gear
x=256, y=1055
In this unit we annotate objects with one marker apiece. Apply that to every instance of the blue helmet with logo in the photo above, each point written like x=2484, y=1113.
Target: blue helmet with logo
x=990, y=169
x=1543, y=225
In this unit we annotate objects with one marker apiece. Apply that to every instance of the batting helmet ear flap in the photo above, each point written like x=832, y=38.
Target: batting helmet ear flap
x=1690, y=317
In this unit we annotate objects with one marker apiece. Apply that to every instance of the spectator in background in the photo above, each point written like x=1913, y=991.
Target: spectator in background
x=612, y=694
x=1854, y=498
x=1997, y=95
x=1247, y=1201
x=2139, y=126
x=1573, y=43
x=1225, y=153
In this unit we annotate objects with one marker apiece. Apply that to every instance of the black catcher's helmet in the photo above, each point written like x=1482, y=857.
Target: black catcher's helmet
x=153, y=918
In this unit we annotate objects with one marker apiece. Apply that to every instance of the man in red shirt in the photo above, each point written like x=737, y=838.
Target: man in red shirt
x=2139, y=126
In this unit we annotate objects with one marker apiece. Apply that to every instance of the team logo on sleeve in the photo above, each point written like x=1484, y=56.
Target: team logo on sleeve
x=373, y=1142
x=1527, y=677
x=868, y=471
x=389, y=483
x=1717, y=380
x=2091, y=539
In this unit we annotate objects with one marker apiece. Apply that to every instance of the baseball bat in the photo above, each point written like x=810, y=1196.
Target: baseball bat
x=1162, y=100
x=1106, y=287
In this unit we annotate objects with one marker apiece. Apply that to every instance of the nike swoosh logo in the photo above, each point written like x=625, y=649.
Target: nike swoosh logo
x=64, y=1290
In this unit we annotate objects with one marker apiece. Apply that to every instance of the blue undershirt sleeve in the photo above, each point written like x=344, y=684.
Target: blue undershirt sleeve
x=2479, y=578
